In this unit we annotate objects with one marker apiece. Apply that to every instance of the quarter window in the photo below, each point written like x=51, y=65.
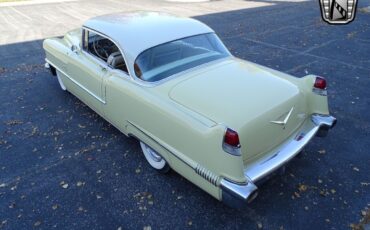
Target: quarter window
x=104, y=49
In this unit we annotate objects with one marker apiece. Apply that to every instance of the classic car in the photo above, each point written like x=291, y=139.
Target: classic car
x=221, y=122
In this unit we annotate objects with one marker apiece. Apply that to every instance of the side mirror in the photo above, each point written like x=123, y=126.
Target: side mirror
x=75, y=49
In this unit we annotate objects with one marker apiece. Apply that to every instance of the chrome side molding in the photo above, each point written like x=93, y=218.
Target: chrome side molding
x=75, y=82
x=207, y=174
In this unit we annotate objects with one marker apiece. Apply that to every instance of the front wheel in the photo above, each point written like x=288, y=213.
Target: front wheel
x=154, y=159
x=62, y=86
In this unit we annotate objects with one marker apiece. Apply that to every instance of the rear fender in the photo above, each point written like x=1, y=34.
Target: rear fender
x=316, y=103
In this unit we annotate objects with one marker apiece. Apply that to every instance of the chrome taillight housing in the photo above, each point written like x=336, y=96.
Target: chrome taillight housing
x=319, y=86
x=231, y=143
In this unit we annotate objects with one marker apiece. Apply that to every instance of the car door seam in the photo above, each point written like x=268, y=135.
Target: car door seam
x=76, y=82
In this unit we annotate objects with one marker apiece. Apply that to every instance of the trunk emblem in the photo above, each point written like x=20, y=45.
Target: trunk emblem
x=285, y=120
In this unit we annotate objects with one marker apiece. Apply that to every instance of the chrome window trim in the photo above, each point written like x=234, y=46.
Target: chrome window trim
x=156, y=83
x=108, y=67
x=101, y=61
x=76, y=82
x=153, y=84
x=137, y=80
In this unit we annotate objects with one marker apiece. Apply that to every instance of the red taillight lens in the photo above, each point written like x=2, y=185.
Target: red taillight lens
x=320, y=83
x=231, y=138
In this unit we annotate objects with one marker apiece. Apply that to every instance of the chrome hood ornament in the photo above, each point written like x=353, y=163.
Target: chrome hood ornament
x=283, y=122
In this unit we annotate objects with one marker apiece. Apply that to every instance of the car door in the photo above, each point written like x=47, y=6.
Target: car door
x=87, y=67
x=116, y=88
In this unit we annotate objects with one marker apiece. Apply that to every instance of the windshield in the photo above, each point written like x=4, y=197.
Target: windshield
x=167, y=59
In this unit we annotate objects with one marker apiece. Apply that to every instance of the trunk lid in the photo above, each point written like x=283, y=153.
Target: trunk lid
x=245, y=98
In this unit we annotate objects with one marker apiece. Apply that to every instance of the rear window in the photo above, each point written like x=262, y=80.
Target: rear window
x=167, y=59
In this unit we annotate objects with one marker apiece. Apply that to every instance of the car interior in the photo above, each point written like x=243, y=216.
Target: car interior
x=155, y=61
x=106, y=50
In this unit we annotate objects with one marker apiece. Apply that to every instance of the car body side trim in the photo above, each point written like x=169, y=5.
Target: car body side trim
x=76, y=82
x=157, y=142
x=199, y=169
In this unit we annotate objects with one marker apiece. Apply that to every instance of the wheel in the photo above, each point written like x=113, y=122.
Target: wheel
x=154, y=159
x=62, y=86
x=300, y=154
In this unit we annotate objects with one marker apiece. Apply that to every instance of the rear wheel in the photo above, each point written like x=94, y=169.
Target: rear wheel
x=154, y=159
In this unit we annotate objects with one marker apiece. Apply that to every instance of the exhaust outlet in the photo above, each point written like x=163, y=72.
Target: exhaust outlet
x=237, y=195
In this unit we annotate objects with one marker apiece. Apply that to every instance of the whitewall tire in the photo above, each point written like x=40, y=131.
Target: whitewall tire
x=154, y=159
x=62, y=86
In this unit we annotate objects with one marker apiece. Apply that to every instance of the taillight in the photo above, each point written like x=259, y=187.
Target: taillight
x=231, y=138
x=319, y=87
x=320, y=83
x=231, y=143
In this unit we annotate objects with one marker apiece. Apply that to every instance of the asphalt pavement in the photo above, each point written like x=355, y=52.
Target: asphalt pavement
x=64, y=167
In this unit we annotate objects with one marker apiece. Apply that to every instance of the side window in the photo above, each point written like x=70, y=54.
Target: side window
x=104, y=49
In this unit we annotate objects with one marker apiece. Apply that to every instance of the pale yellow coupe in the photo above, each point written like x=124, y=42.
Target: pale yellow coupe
x=221, y=122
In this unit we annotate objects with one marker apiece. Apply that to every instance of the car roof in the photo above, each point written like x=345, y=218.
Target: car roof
x=137, y=31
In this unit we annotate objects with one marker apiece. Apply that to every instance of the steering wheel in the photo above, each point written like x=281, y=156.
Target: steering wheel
x=100, y=49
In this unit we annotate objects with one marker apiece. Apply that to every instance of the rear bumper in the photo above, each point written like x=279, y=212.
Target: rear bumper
x=235, y=194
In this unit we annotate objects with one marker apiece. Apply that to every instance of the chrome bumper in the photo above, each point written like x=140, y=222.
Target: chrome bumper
x=236, y=195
